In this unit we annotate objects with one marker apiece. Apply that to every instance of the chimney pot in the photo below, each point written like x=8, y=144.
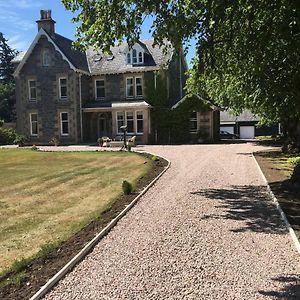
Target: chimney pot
x=46, y=21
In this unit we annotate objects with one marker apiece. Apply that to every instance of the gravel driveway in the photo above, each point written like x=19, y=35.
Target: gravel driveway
x=206, y=230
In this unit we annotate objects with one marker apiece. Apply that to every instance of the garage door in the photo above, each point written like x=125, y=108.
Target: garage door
x=247, y=132
x=227, y=128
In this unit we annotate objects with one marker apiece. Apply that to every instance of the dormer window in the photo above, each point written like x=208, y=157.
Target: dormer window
x=135, y=56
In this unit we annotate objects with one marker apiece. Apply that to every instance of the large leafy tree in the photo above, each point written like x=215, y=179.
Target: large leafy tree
x=7, y=88
x=247, y=50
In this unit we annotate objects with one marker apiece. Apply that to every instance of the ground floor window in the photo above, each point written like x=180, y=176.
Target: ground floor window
x=64, y=123
x=139, y=122
x=193, y=122
x=133, y=120
x=34, y=124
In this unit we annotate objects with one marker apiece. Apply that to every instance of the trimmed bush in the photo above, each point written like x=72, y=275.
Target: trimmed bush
x=7, y=136
x=294, y=160
x=155, y=158
x=127, y=187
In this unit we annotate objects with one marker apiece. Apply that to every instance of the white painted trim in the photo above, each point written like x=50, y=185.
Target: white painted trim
x=135, y=87
x=282, y=214
x=37, y=123
x=63, y=98
x=32, y=46
x=61, y=122
x=88, y=247
x=136, y=119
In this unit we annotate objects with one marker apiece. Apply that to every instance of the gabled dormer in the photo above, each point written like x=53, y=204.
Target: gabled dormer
x=136, y=54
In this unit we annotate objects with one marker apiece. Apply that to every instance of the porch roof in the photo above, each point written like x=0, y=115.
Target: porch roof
x=109, y=106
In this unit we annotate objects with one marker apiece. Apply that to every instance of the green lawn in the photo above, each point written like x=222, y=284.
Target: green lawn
x=45, y=197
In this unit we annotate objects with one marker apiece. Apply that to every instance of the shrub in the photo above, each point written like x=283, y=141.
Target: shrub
x=7, y=136
x=54, y=141
x=155, y=158
x=20, y=140
x=294, y=160
x=127, y=187
x=34, y=148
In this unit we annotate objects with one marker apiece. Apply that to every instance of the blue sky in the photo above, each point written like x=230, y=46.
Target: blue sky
x=17, y=22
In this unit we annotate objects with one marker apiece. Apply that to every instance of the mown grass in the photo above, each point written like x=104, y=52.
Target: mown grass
x=46, y=197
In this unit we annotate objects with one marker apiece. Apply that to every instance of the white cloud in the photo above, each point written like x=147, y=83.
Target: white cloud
x=10, y=19
x=16, y=41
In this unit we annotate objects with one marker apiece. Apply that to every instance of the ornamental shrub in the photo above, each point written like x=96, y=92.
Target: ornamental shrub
x=155, y=158
x=7, y=136
x=294, y=160
x=127, y=187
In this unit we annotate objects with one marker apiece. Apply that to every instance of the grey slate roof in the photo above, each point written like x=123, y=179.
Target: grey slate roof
x=76, y=57
x=246, y=116
x=101, y=63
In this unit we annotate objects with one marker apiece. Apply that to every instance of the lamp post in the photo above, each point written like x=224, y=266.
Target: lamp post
x=124, y=129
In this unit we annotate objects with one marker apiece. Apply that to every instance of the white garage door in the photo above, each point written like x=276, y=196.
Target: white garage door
x=247, y=132
x=227, y=128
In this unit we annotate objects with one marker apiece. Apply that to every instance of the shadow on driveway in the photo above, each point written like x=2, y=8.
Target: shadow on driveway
x=250, y=204
x=291, y=290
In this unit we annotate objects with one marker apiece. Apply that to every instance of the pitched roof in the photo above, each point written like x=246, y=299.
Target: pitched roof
x=97, y=63
x=75, y=56
x=100, y=63
x=229, y=116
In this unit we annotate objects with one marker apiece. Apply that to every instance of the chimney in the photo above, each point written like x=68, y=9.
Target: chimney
x=46, y=22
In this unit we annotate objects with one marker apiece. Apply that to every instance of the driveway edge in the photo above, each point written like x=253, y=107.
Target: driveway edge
x=88, y=247
x=282, y=214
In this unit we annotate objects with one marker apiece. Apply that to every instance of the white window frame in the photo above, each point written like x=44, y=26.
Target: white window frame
x=63, y=121
x=46, y=54
x=30, y=98
x=128, y=58
x=31, y=123
x=134, y=57
x=142, y=57
x=60, y=86
x=135, y=86
x=131, y=96
x=96, y=96
x=137, y=59
x=136, y=121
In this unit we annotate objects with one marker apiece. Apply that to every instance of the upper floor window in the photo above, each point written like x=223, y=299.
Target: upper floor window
x=46, y=58
x=141, y=57
x=99, y=89
x=63, y=88
x=33, y=124
x=129, y=87
x=32, y=90
x=134, y=87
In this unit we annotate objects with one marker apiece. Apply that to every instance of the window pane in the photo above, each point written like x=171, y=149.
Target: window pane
x=34, y=128
x=65, y=127
x=32, y=90
x=33, y=117
x=140, y=57
x=139, y=86
x=120, y=121
x=64, y=116
x=100, y=89
x=63, y=87
x=140, y=122
x=134, y=56
x=32, y=83
x=129, y=116
x=128, y=58
x=129, y=87
x=46, y=58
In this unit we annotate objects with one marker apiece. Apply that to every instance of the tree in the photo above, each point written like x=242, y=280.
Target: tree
x=247, y=50
x=7, y=87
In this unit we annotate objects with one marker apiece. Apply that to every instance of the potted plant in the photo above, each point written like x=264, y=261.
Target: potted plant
x=100, y=141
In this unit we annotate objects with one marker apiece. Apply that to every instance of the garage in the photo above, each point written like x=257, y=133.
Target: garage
x=229, y=129
x=247, y=132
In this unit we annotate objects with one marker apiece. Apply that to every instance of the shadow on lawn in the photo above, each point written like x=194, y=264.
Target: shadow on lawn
x=291, y=290
x=250, y=204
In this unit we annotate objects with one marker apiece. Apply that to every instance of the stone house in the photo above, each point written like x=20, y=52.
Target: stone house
x=80, y=96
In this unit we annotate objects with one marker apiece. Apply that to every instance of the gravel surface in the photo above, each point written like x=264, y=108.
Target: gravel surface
x=206, y=230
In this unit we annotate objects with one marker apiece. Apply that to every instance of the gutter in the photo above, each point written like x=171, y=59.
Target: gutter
x=80, y=109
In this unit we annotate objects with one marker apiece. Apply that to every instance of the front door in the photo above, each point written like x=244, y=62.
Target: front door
x=104, y=125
